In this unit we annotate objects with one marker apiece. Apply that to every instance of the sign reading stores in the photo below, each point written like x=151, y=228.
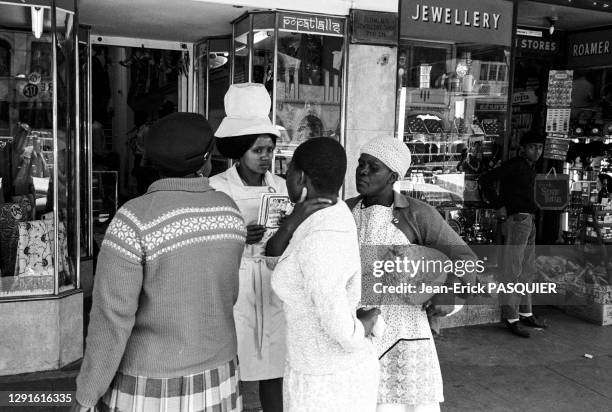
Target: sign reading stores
x=590, y=49
x=477, y=21
x=304, y=23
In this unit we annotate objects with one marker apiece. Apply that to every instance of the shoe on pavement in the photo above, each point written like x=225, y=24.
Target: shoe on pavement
x=533, y=322
x=516, y=329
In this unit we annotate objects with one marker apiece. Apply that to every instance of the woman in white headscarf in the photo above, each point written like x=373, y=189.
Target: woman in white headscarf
x=410, y=377
x=247, y=135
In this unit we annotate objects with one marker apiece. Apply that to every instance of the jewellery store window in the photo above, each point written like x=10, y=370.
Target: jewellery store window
x=452, y=105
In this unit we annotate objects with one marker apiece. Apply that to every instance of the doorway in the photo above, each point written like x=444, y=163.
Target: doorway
x=132, y=86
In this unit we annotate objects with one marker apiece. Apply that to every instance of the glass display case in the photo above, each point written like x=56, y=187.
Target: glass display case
x=300, y=60
x=39, y=148
x=85, y=155
x=452, y=114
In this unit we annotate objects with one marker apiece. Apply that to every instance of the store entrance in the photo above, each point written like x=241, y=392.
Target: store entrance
x=562, y=88
x=131, y=88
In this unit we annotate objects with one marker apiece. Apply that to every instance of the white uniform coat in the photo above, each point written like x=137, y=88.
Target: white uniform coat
x=260, y=323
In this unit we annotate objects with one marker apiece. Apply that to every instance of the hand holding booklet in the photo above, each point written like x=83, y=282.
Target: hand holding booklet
x=272, y=207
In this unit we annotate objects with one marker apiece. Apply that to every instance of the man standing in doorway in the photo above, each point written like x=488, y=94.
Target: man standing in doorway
x=516, y=209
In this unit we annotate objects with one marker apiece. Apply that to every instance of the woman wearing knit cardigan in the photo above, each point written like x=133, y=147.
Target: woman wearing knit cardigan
x=161, y=335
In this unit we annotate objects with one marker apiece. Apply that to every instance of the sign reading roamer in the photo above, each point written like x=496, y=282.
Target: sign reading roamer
x=592, y=48
x=479, y=21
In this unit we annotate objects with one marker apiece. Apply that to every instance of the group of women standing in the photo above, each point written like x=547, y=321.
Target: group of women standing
x=295, y=314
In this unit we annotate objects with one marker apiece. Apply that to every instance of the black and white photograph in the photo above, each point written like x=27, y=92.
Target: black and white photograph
x=305, y=206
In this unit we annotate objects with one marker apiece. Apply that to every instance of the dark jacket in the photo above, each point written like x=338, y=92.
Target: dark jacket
x=423, y=225
x=516, y=179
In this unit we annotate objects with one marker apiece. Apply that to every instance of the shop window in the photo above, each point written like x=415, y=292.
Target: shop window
x=298, y=57
x=38, y=221
x=452, y=115
x=308, y=89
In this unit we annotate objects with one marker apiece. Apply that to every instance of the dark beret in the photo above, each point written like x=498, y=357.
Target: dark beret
x=177, y=143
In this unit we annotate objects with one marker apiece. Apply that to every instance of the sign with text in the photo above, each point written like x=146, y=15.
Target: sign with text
x=524, y=97
x=374, y=27
x=475, y=21
x=537, y=47
x=551, y=191
x=491, y=107
x=312, y=24
x=30, y=90
x=593, y=48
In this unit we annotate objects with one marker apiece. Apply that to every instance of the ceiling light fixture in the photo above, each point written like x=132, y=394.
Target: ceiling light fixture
x=38, y=17
x=552, y=20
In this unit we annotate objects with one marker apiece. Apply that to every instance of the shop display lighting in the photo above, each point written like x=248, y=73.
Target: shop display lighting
x=552, y=20
x=38, y=16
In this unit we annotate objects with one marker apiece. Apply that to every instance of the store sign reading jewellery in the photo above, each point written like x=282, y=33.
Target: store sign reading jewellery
x=479, y=21
x=304, y=23
x=459, y=17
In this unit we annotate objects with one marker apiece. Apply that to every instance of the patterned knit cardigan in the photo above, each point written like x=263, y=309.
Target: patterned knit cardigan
x=165, y=285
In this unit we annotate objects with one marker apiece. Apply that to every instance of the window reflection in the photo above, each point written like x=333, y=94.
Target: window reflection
x=308, y=90
x=452, y=115
x=37, y=230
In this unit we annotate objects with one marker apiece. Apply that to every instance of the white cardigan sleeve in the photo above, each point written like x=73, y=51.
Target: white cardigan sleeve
x=330, y=265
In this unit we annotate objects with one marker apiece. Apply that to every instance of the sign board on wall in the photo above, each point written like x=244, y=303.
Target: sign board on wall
x=475, y=21
x=374, y=27
x=588, y=49
x=536, y=43
x=311, y=23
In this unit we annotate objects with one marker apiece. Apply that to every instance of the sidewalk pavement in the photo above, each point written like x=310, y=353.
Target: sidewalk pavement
x=485, y=368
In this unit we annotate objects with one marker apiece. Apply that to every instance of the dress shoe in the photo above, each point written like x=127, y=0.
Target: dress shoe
x=533, y=322
x=516, y=329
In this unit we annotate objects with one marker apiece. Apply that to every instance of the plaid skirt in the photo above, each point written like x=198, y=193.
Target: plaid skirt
x=214, y=390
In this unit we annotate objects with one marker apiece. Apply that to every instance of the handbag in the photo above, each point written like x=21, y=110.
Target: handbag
x=63, y=266
x=11, y=214
x=34, y=250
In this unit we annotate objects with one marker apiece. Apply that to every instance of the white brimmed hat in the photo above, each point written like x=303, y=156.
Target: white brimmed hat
x=247, y=106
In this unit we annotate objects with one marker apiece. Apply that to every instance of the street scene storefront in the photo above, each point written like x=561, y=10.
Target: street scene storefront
x=462, y=84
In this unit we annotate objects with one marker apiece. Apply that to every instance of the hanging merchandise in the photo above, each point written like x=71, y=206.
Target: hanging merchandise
x=560, y=88
x=11, y=215
x=559, y=102
x=551, y=191
x=556, y=148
